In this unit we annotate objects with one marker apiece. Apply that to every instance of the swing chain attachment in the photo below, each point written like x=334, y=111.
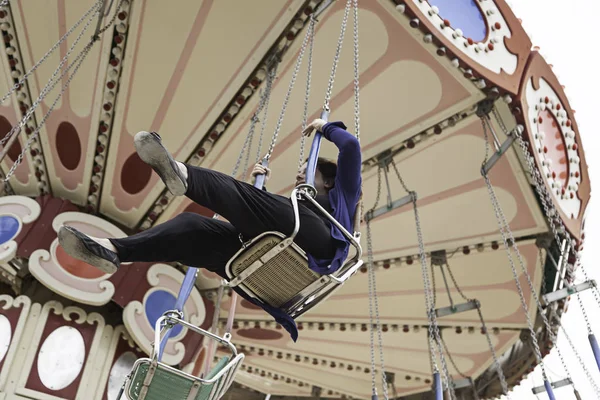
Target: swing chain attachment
x=336, y=58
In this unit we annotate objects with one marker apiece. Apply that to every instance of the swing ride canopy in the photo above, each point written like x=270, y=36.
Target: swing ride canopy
x=193, y=71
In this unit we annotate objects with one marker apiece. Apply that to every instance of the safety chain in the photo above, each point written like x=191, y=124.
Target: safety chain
x=263, y=103
x=77, y=63
x=373, y=303
x=356, y=74
x=452, y=360
x=48, y=87
x=288, y=94
x=434, y=331
x=552, y=214
x=579, y=360
x=336, y=57
x=20, y=83
x=504, y=230
x=497, y=211
x=485, y=331
x=493, y=351
x=311, y=28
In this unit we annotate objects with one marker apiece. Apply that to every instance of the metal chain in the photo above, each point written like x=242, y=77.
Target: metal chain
x=493, y=351
x=434, y=290
x=552, y=214
x=45, y=57
x=485, y=331
x=288, y=94
x=356, y=74
x=111, y=22
x=311, y=28
x=505, y=229
x=434, y=331
x=336, y=57
x=579, y=360
x=78, y=61
x=372, y=297
x=4, y=3
x=452, y=360
x=48, y=87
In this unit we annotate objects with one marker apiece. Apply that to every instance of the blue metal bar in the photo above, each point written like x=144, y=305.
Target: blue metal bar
x=311, y=166
x=437, y=386
x=548, y=387
x=595, y=348
x=184, y=294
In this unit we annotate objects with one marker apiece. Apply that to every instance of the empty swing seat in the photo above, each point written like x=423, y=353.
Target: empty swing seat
x=274, y=270
x=152, y=380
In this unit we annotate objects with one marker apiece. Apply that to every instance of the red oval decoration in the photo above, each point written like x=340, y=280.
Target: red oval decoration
x=68, y=145
x=135, y=174
x=15, y=149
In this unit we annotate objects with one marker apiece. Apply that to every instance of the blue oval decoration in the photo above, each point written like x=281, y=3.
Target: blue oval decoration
x=464, y=15
x=157, y=303
x=9, y=226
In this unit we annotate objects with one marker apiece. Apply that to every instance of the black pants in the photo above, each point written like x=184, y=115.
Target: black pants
x=204, y=242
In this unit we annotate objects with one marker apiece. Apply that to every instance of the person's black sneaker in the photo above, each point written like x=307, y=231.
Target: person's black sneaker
x=150, y=149
x=82, y=247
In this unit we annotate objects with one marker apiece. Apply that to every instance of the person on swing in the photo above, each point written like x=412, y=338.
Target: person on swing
x=204, y=242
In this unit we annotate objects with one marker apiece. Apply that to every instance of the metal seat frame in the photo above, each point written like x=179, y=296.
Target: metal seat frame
x=220, y=382
x=317, y=291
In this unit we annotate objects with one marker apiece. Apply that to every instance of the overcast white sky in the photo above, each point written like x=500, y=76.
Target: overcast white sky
x=564, y=31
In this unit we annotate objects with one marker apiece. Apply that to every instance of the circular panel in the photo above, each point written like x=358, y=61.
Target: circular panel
x=76, y=267
x=61, y=357
x=5, y=336
x=9, y=227
x=554, y=148
x=157, y=303
x=15, y=149
x=135, y=174
x=68, y=145
x=118, y=372
x=465, y=15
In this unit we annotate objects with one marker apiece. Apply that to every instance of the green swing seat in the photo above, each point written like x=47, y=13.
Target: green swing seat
x=152, y=380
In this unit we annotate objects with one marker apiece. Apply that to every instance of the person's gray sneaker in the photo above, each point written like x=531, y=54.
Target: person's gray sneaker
x=78, y=245
x=150, y=149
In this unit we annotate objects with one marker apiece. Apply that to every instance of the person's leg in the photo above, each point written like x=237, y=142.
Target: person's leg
x=188, y=238
x=250, y=210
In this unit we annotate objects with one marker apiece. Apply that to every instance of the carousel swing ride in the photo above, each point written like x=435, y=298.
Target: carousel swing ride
x=455, y=99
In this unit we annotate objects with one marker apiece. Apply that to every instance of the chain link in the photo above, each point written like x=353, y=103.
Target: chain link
x=356, y=74
x=505, y=229
x=435, y=340
x=373, y=302
x=579, y=360
x=45, y=56
x=52, y=82
x=493, y=351
x=77, y=62
x=336, y=57
x=552, y=214
x=311, y=28
x=288, y=94
x=2, y=4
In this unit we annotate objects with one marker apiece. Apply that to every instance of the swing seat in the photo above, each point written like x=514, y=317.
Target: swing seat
x=152, y=380
x=274, y=270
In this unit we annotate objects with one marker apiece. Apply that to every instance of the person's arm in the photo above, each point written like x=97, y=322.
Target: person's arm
x=349, y=158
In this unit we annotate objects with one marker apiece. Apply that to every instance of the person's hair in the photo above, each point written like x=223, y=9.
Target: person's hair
x=327, y=168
